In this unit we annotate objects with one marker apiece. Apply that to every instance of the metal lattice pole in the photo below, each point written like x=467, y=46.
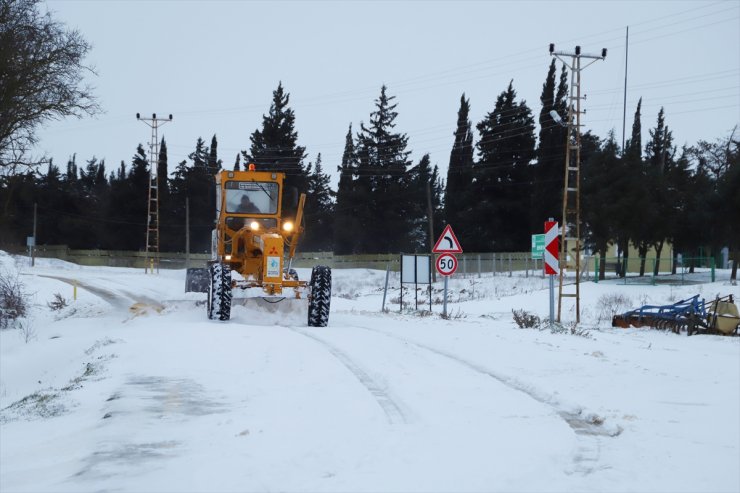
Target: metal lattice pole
x=151, y=256
x=571, y=223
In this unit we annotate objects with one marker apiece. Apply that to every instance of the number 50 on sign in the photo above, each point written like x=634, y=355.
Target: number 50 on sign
x=446, y=264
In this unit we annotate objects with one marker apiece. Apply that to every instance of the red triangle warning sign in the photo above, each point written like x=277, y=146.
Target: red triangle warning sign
x=447, y=242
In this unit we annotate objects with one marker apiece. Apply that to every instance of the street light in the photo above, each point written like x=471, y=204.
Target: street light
x=558, y=119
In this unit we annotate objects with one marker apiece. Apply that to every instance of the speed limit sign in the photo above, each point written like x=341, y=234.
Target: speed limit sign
x=446, y=264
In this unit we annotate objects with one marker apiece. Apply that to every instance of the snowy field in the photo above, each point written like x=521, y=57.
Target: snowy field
x=131, y=388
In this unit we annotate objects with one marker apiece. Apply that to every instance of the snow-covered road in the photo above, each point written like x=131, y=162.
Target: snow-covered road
x=105, y=398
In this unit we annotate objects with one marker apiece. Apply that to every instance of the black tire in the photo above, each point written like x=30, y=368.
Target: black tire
x=319, y=297
x=219, y=292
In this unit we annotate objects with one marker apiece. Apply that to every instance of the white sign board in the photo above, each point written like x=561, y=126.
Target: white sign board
x=416, y=269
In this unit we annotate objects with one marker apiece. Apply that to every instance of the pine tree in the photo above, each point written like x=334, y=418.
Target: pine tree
x=459, y=200
x=126, y=212
x=382, y=177
x=275, y=147
x=194, y=184
x=346, y=226
x=503, y=176
x=600, y=198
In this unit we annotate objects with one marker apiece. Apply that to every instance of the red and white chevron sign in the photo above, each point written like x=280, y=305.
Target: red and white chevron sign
x=552, y=245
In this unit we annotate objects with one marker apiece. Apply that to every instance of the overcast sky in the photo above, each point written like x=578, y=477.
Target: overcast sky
x=214, y=64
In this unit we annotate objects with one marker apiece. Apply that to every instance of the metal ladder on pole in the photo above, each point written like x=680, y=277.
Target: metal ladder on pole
x=152, y=221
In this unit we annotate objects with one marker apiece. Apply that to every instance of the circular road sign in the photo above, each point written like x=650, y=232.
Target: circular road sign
x=446, y=264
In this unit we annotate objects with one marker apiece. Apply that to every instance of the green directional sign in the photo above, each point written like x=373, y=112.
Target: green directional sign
x=538, y=246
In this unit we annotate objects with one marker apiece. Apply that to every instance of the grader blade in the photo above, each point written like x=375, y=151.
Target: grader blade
x=196, y=280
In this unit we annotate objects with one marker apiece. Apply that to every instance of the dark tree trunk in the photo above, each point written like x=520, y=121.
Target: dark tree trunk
x=602, y=265
x=658, y=250
x=642, y=251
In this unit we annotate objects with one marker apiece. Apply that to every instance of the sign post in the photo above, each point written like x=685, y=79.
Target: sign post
x=552, y=266
x=446, y=263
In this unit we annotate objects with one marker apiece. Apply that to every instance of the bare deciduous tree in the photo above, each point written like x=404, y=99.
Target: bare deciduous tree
x=41, y=77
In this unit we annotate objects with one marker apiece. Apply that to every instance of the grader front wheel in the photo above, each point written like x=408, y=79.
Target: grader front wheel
x=219, y=292
x=320, y=297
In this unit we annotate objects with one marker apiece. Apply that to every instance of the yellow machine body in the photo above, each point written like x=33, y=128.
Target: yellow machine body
x=251, y=235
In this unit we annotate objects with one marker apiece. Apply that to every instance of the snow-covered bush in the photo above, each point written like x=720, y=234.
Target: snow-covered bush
x=612, y=304
x=13, y=299
x=526, y=320
x=58, y=303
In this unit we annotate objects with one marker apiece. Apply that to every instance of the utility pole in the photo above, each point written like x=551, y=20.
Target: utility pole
x=152, y=215
x=430, y=215
x=33, y=247
x=187, y=232
x=571, y=233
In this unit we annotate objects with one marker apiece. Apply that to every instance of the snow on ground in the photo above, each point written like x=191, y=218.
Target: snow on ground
x=131, y=388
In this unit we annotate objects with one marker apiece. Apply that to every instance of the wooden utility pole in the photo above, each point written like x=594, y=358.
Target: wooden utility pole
x=430, y=215
x=571, y=232
x=33, y=247
x=187, y=232
x=152, y=215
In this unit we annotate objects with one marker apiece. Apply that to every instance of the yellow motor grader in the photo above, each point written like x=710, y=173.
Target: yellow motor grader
x=254, y=241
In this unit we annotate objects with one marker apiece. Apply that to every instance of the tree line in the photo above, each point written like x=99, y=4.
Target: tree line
x=498, y=190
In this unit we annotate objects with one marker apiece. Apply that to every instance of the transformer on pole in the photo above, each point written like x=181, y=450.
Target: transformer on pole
x=151, y=256
x=571, y=225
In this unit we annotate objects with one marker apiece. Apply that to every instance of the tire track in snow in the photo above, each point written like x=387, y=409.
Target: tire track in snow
x=393, y=411
x=582, y=425
x=588, y=428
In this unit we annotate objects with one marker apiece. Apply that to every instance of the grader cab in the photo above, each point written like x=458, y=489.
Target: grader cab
x=253, y=248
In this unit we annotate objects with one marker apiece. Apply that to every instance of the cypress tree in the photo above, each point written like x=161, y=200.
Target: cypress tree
x=627, y=218
x=50, y=205
x=318, y=212
x=346, y=227
x=459, y=200
x=424, y=186
x=660, y=173
x=548, y=172
x=214, y=163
